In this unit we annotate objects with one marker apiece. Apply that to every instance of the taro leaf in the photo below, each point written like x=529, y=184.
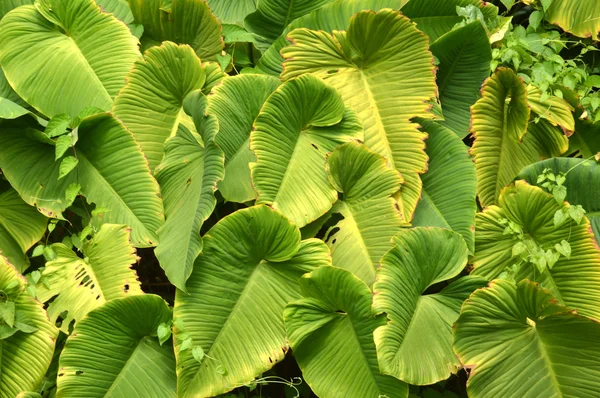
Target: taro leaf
x=581, y=18
x=505, y=141
x=183, y=22
x=465, y=55
x=416, y=344
x=331, y=334
x=151, y=104
x=80, y=285
x=574, y=281
x=370, y=214
x=232, y=11
x=21, y=226
x=510, y=335
x=582, y=183
x=63, y=56
x=301, y=122
x=332, y=16
x=126, y=361
x=104, y=149
x=246, y=274
x=556, y=110
x=188, y=179
x=25, y=356
x=383, y=70
x=273, y=16
x=235, y=124
x=449, y=186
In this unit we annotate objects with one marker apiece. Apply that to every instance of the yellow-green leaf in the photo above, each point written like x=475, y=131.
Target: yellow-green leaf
x=383, y=69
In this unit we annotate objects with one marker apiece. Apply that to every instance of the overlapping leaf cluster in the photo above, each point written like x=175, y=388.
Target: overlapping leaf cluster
x=377, y=185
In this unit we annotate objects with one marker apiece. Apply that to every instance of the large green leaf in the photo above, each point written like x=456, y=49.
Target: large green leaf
x=582, y=183
x=437, y=18
x=7, y=93
x=180, y=21
x=119, y=8
x=10, y=109
x=272, y=16
x=586, y=139
x=24, y=356
x=416, y=344
x=519, y=343
x=331, y=334
x=8, y=5
x=232, y=11
x=83, y=284
x=11, y=105
x=235, y=124
x=37, y=184
x=383, y=70
x=449, y=186
x=464, y=56
x=188, y=179
x=21, y=226
x=113, y=352
x=556, y=110
x=301, y=122
x=581, y=18
x=151, y=104
x=65, y=56
x=370, y=215
x=504, y=140
x=112, y=173
x=574, y=281
x=333, y=16
x=246, y=274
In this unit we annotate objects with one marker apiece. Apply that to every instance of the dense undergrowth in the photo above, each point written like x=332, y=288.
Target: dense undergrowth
x=277, y=198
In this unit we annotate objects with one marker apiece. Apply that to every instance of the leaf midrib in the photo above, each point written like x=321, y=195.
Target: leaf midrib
x=289, y=13
x=215, y=342
x=360, y=348
x=364, y=246
x=426, y=196
x=96, y=172
x=127, y=363
x=87, y=64
x=547, y=362
x=377, y=115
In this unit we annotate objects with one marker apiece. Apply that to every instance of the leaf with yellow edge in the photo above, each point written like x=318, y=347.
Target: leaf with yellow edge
x=301, y=122
x=21, y=226
x=416, y=343
x=63, y=56
x=234, y=309
x=556, y=110
x=25, y=357
x=183, y=22
x=332, y=16
x=188, y=177
x=331, y=334
x=574, y=281
x=383, y=69
x=151, y=104
x=505, y=141
x=236, y=119
x=370, y=213
x=518, y=342
x=580, y=17
x=80, y=285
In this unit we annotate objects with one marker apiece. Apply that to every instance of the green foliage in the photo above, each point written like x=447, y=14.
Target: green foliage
x=332, y=198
